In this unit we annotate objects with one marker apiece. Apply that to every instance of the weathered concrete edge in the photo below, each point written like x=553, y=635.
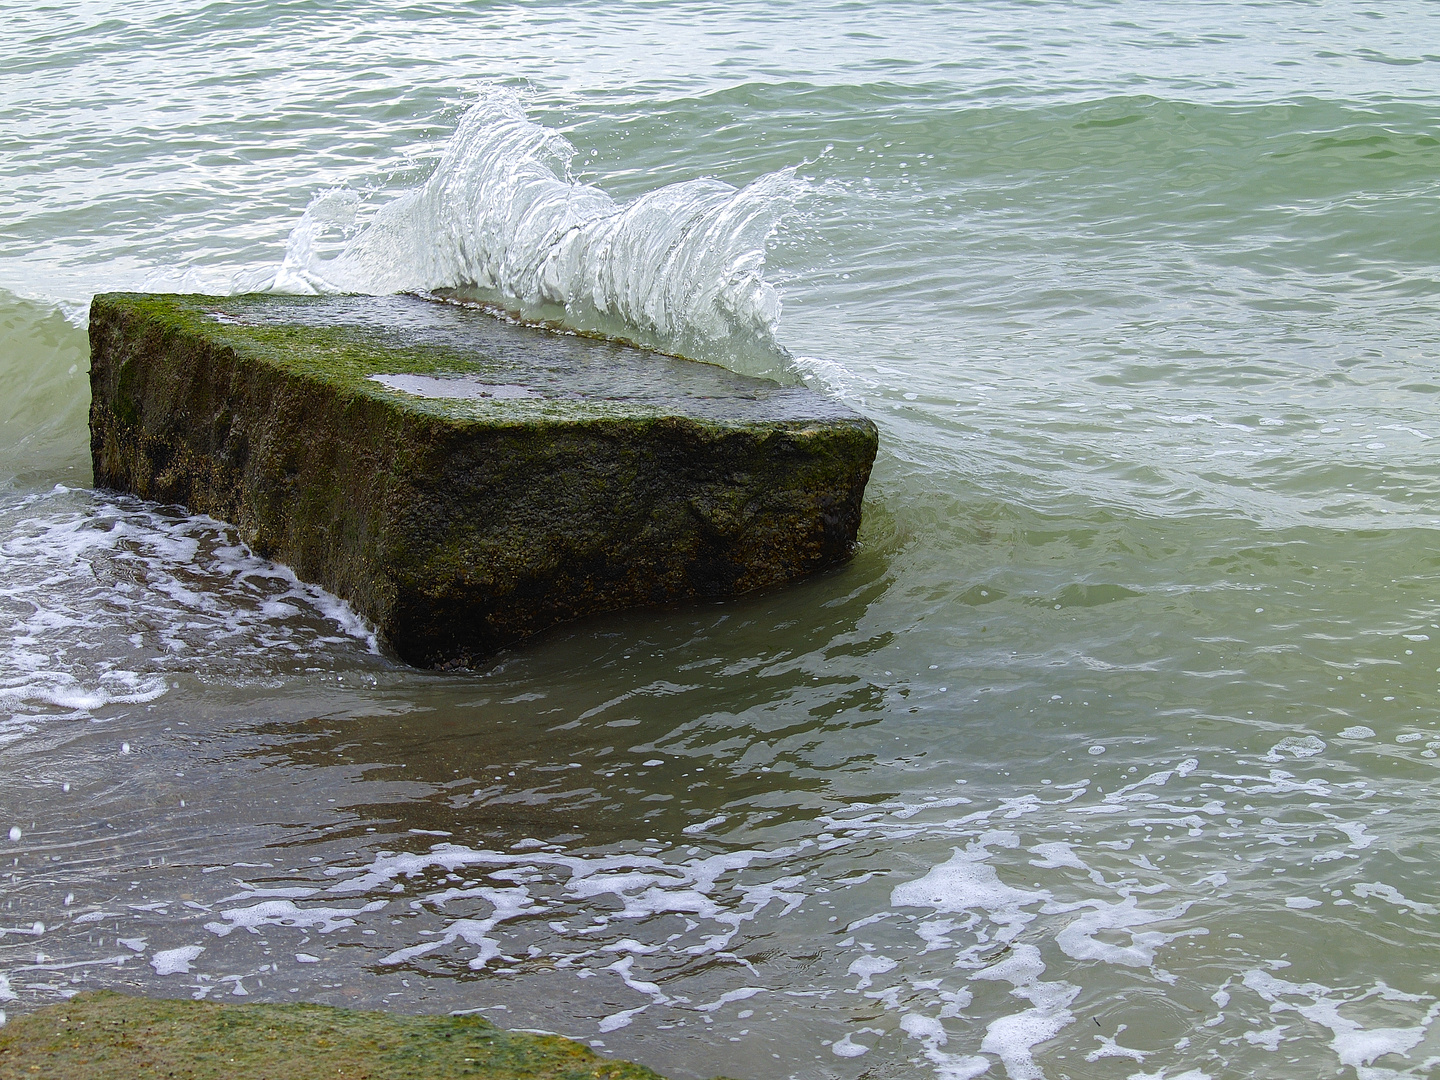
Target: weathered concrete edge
x=341, y=509
x=103, y=1035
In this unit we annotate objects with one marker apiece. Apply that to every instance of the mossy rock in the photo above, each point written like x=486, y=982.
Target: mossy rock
x=463, y=482
x=110, y=1036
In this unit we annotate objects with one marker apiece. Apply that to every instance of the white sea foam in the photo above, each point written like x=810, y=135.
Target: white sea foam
x=680, y=268
x=325, y=920
x=848, y=1048
x=103, y=596
x=867, y=967
x=1079, y=940
x=95, y=916
x=507, y=904
x=644, y=886
x=1296, y=746
x=745, y=993
x=967, y=882
x=1354, y=1044
x=175, y=961
x=1023, y=923
x=1392, y=895
x=1013, y=1038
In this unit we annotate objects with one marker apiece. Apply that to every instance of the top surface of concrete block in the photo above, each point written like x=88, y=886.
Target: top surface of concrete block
x=465, y=363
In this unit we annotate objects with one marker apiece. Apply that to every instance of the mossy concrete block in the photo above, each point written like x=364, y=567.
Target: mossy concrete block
x=466, y=483
x=109, y=1036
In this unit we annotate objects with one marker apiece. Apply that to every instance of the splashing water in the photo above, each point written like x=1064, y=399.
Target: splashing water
x=502, y=222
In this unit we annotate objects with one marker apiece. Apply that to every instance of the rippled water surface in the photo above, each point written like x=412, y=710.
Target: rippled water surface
x=1112, y=753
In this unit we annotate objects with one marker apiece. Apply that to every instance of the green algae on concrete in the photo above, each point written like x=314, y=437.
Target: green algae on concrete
x=466, y=483
x=110, y=1036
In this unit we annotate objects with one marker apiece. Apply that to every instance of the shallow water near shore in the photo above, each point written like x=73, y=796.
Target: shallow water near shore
x=1112, y=753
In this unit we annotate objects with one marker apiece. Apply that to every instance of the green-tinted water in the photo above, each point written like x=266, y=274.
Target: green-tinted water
x=1111, y=754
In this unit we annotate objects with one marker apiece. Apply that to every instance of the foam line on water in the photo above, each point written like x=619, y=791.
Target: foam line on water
x=181, y=591
x=680, y=268
x=970, y=953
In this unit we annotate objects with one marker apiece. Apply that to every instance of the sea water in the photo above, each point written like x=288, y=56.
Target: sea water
x=1112, y=753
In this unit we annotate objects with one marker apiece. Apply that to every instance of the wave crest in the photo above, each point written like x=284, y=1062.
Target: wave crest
x=500, y=220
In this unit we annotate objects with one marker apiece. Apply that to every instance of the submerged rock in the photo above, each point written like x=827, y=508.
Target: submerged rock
x=465, y=483
x=109, y=1036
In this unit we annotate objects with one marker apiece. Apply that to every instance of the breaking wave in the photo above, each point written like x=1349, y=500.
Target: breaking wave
x=502, y=222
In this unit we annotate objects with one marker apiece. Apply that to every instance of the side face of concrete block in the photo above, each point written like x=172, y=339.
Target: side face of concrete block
x=465, y=483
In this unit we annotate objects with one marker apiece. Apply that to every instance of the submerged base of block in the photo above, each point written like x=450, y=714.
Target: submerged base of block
x=462, y=482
